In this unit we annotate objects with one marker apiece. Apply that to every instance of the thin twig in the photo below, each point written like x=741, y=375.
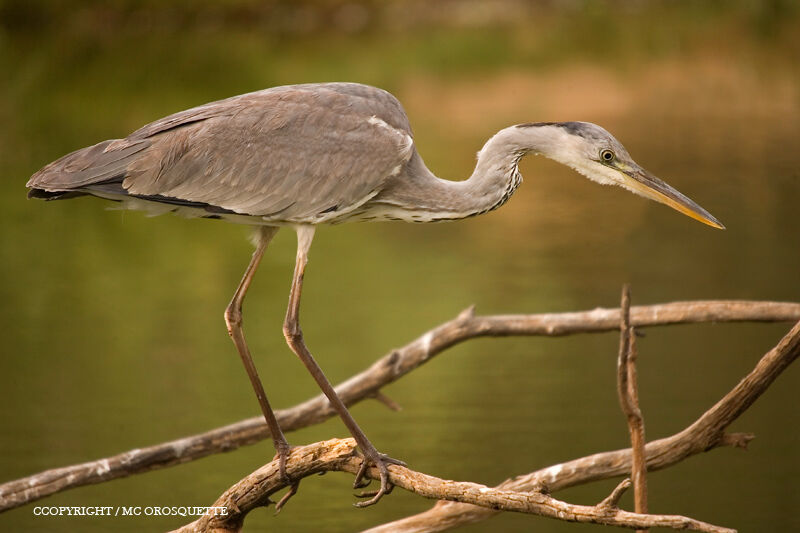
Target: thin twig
x=704, y=434
x=385, y=400
x=628, y=392
x=612, y=500
x=340, y=455
x=384, y=371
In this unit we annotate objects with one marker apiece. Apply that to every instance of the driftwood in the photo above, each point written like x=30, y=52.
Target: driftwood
x=706, y=433
x=628, y=393
x=341, y=455
x=530, y=493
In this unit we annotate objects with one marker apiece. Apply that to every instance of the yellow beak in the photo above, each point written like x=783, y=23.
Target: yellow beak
x=649, y=186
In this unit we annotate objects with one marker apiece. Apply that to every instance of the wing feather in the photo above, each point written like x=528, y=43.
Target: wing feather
x=295, y=153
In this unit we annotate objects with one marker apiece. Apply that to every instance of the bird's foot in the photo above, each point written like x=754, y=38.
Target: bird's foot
x=381, y=462
x=291, y=492
x=282, y=456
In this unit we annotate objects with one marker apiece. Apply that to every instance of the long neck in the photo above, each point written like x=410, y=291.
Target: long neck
x=424, y=197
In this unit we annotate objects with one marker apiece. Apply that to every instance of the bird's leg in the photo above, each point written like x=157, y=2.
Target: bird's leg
x=294, y=338
x=233, y=319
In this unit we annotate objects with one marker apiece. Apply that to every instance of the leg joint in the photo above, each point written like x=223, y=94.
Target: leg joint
x=292, y=332
x=233, y=317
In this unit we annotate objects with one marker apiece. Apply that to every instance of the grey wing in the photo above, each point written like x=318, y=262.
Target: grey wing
x=295, y=154
x=108, y=161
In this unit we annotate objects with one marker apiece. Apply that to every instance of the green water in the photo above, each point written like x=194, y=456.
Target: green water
x=111, y=322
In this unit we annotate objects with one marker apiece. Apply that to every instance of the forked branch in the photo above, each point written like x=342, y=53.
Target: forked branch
x=341, y=455
x=628, y=393
x=704, y=434
x=386, y=370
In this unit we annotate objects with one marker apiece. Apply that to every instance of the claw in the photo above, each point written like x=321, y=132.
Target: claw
x=372, y=493
x=282, y=456
x=285, y=498
x=359, y=481
x=392, y=461
x=386, y=488
x=380, y=461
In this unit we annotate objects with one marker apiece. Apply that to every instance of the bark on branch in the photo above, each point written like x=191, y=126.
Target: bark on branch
x=341, y=455
x=385, y=370
x=628, y=393
x=704, y=434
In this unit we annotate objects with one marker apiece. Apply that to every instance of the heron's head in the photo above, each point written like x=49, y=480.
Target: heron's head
x=596, y=154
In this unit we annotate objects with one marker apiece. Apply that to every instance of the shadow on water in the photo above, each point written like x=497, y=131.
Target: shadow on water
x=112, y=322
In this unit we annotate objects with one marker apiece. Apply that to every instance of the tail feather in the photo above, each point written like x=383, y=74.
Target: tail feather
x=99, y=170
x=53, y=195
x=103, y=162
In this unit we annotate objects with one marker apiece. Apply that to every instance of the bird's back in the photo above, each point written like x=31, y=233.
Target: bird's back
x=293, y=154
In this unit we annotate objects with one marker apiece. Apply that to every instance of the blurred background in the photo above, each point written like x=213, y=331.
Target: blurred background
x=112, y=325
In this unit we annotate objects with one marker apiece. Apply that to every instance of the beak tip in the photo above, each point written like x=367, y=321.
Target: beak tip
x=714, y=223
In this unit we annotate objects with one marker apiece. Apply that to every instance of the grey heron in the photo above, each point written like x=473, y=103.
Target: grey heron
x=303, y=155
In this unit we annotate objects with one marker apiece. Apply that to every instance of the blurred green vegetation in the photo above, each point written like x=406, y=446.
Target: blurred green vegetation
x=111, y=321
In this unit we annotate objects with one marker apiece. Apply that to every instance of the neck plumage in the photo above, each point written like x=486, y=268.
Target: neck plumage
x=420, y=196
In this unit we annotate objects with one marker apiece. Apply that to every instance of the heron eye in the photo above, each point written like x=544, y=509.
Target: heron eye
x=607, y=155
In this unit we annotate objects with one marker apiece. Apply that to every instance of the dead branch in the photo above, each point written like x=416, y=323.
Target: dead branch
x=341, y=455
x=628, y=392
x=704, y=434
x=369, y=382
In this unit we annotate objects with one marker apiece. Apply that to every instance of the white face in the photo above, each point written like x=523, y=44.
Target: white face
x=596, y=154
x=590, y=150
